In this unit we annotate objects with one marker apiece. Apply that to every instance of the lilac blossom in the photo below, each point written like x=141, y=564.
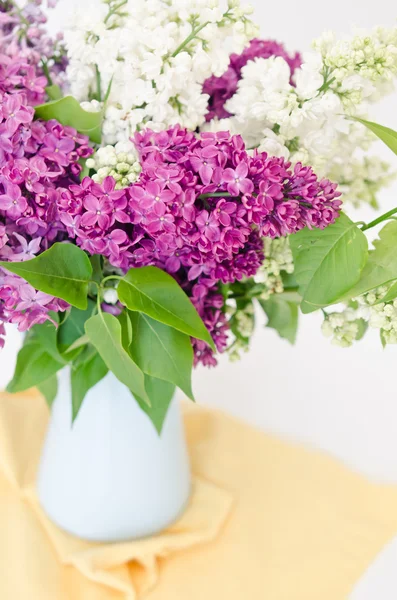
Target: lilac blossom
x=32, y=182
x=202, y=225
x=24, y=47
x=220, y=89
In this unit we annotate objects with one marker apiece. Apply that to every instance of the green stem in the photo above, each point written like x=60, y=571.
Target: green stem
x=19, y=13
x=109, y=278
x=114, y=10
x=190, y=37
x=98, y=84
x=326, y=85
x=46, y=71
x=380, y=219
x=216, y=195
x=98, y=303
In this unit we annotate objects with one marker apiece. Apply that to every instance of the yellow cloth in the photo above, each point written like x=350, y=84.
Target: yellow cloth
x=268, y=520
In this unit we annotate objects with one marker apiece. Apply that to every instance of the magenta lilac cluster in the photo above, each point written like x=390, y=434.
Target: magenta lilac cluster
x=220, y=89
x=199, y=211
x=37, y=161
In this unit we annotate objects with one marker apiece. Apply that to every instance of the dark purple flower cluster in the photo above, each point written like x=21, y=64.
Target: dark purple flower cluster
x=220, y=89
x=37, y=161
x=198, y=211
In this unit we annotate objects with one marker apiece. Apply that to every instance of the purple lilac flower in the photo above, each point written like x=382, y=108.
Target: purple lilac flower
x=33, y=179
x=203, y=225
x=220, y=89
x=24, y=44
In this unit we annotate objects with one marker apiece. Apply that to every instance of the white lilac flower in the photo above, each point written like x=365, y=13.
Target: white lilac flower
x=120, y=162
x=278, y=259
x=309, y=120
x=245, y=321
x=361, y=179
x=342, y=326
x=243, y=325
x=153, y=56
x=381, y=315
x=384, y=317
x=354, y=68
x=349, y=324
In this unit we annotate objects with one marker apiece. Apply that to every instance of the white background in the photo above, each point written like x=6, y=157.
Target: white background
x=343, y=401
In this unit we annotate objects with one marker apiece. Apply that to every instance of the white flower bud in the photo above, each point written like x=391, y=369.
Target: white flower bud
x=110, y=296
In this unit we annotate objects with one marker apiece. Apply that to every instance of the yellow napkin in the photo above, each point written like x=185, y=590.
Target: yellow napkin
x=267, y=520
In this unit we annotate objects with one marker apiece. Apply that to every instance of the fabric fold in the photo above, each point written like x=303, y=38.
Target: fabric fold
x=267, y=519
x=202, y=520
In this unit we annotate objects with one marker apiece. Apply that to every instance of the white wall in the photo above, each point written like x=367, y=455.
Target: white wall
x=342, y=401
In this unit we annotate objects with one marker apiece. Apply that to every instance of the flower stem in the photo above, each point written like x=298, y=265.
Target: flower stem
x=380, y=219
x=190, y=37
x=114, y=10
x=19, y=13
x=109, y=278
x=46, y=71
x=99, y=303
x=216, y=195
x=98, y=84
x=194, y=33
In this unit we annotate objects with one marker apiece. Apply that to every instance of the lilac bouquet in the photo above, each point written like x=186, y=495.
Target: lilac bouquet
x=154, y=187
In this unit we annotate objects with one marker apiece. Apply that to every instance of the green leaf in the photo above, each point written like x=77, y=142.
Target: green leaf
x=104, y=332
x=289, y=280
x=68, y=111
x=381, y=267
x=62, y=271
x=387, y=135
x=74, y=350
x=72, y=330
x=83, y=378
x=126, y=329
x=328, y=262
x=162, y=352
x=86, y=354
x=282, y=316
x=97, y=267
x=160, y=394
x=34, y=366
x=45, y=334
x=49, y=389
x=54, y=92
x=382, y=338
x=155, y=293
x=362, y=328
